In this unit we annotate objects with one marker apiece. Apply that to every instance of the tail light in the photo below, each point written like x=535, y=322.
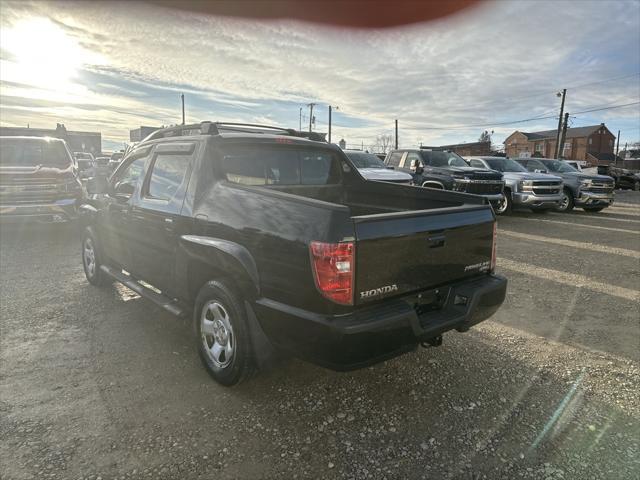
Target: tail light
x=333, y=270
x=493, y=248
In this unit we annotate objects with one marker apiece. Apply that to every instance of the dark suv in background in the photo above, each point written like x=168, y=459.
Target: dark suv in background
x=38, y=180
x=448, y=171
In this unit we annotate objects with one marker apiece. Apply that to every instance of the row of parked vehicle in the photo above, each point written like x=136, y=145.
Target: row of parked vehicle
x=533, y=183
x=274, y=242
x=88, y=164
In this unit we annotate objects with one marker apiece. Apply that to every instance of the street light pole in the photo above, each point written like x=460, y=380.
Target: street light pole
x=182, y=98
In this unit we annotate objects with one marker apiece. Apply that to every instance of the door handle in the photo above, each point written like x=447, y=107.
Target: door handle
x=168, y=224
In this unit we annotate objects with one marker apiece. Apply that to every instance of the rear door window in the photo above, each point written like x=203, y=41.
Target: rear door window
x=394, y=159
x=280, y=166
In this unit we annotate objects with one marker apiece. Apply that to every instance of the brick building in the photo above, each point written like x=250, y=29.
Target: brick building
x=581, y=143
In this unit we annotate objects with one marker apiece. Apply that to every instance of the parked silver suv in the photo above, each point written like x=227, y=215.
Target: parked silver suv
x=536, y=191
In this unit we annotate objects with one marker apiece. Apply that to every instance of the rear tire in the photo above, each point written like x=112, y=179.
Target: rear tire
x=636, y=186
x=222, y=334
x=566, y=203
x=92, y=259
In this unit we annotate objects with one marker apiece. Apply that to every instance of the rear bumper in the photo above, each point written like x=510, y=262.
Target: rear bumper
x=533, y=200
x=59, y=211
x=590, y=199
x=376, y=333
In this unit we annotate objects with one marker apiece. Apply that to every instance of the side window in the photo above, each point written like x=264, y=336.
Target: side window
x=394, y=159
x=167, y=174
x=280, y=166
x=126, y=179
x=411, y=159
x=476, y=163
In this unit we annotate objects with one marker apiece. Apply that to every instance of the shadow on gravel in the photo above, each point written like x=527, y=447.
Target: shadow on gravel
x=118, y=389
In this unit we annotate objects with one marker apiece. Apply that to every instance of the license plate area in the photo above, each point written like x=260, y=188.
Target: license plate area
x=429, y=300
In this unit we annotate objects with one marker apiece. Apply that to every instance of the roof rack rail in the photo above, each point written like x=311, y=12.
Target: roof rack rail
x=214, y=128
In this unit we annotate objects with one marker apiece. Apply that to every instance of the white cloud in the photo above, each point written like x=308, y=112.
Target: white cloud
x=482, y=67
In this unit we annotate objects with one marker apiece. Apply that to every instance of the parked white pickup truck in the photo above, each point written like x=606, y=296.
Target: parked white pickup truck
x=372, y=168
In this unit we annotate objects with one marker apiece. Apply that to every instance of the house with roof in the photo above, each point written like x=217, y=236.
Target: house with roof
x=581, y=143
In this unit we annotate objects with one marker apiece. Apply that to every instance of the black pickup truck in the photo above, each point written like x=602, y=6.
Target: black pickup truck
x=446, y=170
x=273, y=241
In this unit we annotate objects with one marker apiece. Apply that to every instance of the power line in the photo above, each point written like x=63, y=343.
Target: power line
x=510, y=122
x=603, y=81
x=546, y=92
x=607, y=108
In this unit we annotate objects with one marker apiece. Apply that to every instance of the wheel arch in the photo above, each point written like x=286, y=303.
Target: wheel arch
x=203, y=258
x=429, y=183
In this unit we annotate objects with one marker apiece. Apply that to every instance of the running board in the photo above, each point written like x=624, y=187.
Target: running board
x=159, y=299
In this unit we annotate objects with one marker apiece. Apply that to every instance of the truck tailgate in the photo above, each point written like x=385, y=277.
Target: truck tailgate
x=397, y=253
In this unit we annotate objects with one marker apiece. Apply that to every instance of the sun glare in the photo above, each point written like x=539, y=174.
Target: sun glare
x=41, y=54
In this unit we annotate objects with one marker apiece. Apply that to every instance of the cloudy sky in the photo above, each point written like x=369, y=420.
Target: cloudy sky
x=111, y=67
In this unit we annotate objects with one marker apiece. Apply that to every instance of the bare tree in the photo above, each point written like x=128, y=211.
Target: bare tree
x=485, y=137
x=383, y=143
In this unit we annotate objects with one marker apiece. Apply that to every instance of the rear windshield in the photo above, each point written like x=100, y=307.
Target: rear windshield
x=33, y=153
x=262, y=165
x=365, y=160
x=443, y=159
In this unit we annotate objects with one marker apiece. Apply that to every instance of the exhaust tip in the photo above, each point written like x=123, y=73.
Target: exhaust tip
x=432, y=342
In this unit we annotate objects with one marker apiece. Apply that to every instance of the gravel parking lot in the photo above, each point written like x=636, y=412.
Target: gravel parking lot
x=99, y=383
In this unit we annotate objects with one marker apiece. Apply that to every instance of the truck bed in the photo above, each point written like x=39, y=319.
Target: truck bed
x=368, y=198
x=409, y=239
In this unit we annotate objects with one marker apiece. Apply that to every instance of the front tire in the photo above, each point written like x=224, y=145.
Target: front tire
x=505, y=207
x=222, y=334
x=92, y=259
x=566, y=203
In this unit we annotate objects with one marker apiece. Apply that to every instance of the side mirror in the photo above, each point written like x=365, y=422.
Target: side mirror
x=390, y=167
x=419, y=170
x=97, y=185
x=123, y=191
x=539, y=170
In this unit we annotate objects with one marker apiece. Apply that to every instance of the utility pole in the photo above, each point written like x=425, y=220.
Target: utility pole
x=396, y=133
x=310, y=105
x=300, y=127
x=558, y=150
x=330, y=110
x=182, y=98
x=615, y=159
x=563, y=136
